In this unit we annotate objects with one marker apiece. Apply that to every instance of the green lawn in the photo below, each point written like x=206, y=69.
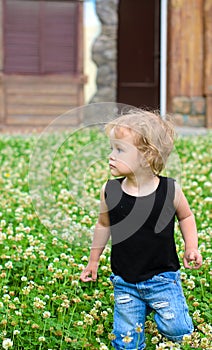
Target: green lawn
x=44, y=242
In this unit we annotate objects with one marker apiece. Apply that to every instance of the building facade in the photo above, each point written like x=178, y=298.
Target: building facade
x=41, y=61
x=128, y=52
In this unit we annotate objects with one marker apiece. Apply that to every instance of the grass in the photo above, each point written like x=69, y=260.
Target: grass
x=49, y=204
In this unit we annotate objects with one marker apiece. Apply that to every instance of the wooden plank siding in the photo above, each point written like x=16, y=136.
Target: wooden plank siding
x=208, y=61
x=190, y=61
x=42, y=67
x=186, y=48
x=34, y=100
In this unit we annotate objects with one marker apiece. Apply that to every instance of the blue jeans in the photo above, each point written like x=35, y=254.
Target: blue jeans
x=162, y=294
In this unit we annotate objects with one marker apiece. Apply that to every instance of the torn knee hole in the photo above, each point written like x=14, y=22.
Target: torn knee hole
x=166, y=314
x=160, y=304
x=123, y=299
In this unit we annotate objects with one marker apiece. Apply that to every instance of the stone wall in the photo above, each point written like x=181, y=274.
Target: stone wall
x=104, y=51
x=189, y=111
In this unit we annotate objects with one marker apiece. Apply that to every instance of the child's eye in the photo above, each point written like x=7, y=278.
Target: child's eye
x=119, y=149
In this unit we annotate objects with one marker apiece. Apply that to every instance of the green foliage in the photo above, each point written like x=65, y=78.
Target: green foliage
x=43, y=305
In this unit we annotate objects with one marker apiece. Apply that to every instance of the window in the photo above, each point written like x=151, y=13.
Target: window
x=40, y=36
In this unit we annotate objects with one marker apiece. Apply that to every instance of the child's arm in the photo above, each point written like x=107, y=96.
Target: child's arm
x=188, y=229
x=100, y=238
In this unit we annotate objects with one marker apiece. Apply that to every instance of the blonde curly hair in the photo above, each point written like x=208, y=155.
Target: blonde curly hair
x=153, y=136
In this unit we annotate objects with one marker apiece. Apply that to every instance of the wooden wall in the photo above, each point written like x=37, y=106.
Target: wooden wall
x=38, y=100
x=2, y=112
x=208, y=60
x=186, y=47
x=190, y=60
x=32, y=101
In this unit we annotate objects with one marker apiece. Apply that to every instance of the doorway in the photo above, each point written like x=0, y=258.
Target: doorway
x=139, y=53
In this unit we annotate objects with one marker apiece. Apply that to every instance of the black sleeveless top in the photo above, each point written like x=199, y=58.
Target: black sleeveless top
x=142, y=231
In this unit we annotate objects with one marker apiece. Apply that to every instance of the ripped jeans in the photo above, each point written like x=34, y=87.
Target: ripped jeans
x=162, y=294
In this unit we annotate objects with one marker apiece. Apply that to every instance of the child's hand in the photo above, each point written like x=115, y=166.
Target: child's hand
x=192, y=255
x=90, y=270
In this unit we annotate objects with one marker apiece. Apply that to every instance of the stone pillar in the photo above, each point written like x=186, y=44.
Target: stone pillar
x=104, y=51
x=2, y=99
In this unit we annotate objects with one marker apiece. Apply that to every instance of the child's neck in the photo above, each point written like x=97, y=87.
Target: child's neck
x=141, y=185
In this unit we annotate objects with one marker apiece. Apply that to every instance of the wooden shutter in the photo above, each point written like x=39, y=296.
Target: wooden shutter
x=59, y=41
x=21, y=36
x=41, y=36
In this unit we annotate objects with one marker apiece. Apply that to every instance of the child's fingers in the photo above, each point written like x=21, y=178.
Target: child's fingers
x=193, y=257
x=94, y=276
x=198, y=261
x=186, y=263
x=85, y=276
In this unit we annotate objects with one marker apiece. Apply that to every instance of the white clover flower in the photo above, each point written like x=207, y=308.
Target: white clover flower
x=6, y=298
x=63, y=256
x=7, y=343
x=16, y=332
x=190, y=284
x=46, y=314
x=38, y=303
x=183, y=276
x=98, y=303
x=54, y=240
x=18, y=313
x=204, y=342
x=139, y=327
x=26, y=290
x=88, y=319
x=103, y=258
x=187, y=338
x=127, y=338
x=41, y=339
x=84, y=258
x=71, y=260
x=23, y=278
x=9, y=265
x=104, y=268
x=2, y=237
x=161, y=346
x=104, y=314
x=3, y=223
x=81, y=267
x=103, y=346
x=75, y=283
x=66, y=304
x=155, y=340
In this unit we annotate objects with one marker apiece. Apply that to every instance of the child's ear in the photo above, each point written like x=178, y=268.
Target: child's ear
x=143, y=161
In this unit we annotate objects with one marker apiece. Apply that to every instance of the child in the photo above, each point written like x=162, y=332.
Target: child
x=138, y=210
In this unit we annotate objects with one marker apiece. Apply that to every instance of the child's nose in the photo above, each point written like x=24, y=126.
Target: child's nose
x=112, y=156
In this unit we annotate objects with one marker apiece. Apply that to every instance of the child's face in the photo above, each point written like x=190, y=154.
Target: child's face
x=125, y=158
